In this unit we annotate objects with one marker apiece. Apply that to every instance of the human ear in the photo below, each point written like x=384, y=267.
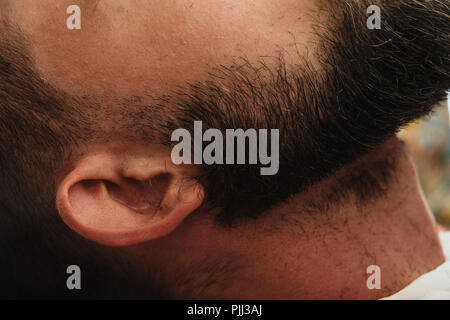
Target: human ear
x=119, y=200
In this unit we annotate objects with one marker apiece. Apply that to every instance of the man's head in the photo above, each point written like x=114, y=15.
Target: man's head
x=87, y=115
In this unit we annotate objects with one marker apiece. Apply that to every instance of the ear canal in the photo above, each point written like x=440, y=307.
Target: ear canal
x=143, y=196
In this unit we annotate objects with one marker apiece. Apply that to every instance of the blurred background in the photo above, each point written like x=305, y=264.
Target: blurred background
x=429, y=142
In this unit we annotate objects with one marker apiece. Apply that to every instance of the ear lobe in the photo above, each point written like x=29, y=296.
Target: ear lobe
x=115, y=210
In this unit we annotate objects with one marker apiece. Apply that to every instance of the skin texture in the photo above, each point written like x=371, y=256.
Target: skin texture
x=131, y=48
x=202, y=34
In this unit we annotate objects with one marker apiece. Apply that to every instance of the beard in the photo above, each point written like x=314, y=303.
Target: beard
x=365, y=86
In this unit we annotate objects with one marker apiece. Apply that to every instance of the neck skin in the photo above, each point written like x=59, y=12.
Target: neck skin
x=297, y=252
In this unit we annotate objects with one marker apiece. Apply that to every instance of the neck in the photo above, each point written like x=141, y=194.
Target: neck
x=392, y=228
x=372, y=212
x=319, y=244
